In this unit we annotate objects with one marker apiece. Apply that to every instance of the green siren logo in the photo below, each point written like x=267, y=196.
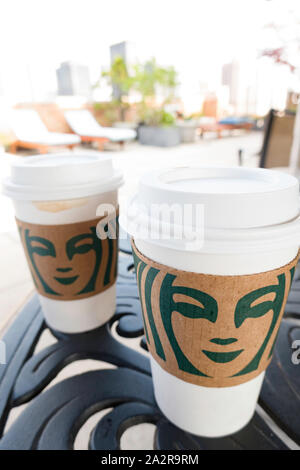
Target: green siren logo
x=209, y=330
x=69, y=262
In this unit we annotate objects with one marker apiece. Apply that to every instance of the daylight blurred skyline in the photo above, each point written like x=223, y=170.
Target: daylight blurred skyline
x=197, y=37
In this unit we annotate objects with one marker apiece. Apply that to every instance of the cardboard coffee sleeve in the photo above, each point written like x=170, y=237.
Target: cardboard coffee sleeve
x=211, y=330
x=70, y=261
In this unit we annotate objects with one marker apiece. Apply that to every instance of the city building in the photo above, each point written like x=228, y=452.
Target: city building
x=230, y=78
x=125, y=50
x=256, y=85
x=73, y=79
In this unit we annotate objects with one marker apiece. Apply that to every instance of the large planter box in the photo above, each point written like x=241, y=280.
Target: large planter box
x=159, y=136
x=188, y=132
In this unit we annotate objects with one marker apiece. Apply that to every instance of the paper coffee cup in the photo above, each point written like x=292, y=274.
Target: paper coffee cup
x=212, y=310
x=61, y=202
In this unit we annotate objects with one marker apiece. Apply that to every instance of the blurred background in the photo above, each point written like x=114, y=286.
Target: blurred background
x=194, y=59
x=156, y=84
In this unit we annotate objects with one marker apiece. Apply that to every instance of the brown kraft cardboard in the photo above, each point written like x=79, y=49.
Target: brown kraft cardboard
x=70, y=262
x=211, y=330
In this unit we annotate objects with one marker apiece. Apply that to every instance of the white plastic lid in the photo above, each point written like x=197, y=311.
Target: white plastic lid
x=241, y=205
x=61, y=176
x=232, y=197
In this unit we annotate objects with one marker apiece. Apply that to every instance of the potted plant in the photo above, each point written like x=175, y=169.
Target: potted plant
x=158, y=129
x=121, y=82
x=156, y=84
x=187, y=126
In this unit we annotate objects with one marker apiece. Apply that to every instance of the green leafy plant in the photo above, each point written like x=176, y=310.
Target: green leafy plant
x=167, y=119
x=118, y=76
x=121, y=81
x=149, y=80
x=157, y=117
x=149, y=77
x=108, y=112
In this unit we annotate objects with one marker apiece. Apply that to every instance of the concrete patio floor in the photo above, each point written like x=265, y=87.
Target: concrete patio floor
x=15, y=281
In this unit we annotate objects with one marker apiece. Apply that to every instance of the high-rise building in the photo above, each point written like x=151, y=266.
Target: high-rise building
x=73, y=79
x=125, y=51
x=231, y=78
x=257, y=84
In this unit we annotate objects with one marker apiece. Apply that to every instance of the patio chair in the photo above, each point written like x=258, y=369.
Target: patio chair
x=31, y=133
x=277, y=142
x=83, y=123
x=278, y=139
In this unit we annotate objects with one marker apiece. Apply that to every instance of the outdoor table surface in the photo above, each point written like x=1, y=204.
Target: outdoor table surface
x=52, y=419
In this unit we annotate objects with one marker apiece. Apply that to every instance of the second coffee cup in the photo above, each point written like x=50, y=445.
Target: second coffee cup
x=213, y=286
x=60, y=201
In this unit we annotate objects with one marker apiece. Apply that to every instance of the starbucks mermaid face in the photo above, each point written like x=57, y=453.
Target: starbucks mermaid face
x=73, y=263
x=235, y=338
x=211, y=330
x=70, y=262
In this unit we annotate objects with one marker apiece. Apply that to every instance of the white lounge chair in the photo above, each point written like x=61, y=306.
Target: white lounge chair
x=31, y=132
x=83, y=123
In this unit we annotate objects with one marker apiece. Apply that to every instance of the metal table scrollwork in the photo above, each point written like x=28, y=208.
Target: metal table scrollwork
x=52, y=419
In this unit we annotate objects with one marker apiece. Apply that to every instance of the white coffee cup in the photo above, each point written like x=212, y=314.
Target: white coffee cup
x=251, y=225
x=60, y=189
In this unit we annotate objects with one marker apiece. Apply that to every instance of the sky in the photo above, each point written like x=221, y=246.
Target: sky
x=196, y=36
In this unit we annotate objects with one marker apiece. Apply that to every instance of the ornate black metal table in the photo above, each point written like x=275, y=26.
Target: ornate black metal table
x=53, y=417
